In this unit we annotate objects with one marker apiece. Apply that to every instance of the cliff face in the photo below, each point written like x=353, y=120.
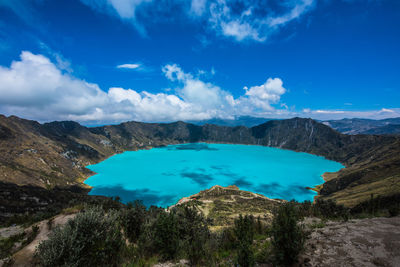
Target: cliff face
x=55, y=154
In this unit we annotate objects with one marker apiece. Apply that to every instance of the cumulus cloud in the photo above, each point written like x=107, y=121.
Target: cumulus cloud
x=266, y=94
x=36, y=88
x=237, y=19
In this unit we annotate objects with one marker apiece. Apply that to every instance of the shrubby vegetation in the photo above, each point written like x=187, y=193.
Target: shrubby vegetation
x=288, y=237
x=133, y=235
x=93, y=238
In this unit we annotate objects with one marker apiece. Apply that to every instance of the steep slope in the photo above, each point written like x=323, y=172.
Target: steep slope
x=55, y=154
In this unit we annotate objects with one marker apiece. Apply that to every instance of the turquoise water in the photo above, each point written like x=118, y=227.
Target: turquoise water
x=161, y=176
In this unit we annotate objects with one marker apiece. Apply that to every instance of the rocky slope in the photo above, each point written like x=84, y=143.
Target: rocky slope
x=362, y=242
x=55, y=154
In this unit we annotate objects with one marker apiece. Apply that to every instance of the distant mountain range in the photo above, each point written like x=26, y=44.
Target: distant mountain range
x=346, y=126
x=247, y=121
x=56, y=153
x=366, y=126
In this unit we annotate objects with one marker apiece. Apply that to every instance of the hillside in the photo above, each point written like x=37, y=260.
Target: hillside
x=362, y=126
x=387, y=129
x=224, y=204
x=55, y=154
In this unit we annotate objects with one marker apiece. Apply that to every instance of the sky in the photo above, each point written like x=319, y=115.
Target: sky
x=109, y=61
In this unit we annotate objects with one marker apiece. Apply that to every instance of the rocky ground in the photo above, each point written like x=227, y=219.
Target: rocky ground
x=362, y=242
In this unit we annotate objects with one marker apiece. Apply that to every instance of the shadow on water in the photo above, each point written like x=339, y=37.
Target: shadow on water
x=241, y=182
x=147, y=196
x=196, y=147
x=201, y=179
x=276, y=190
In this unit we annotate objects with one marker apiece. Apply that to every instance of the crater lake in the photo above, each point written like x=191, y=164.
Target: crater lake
x=161, y=176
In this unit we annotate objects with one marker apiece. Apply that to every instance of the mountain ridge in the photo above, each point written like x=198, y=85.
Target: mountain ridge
x=56, y=153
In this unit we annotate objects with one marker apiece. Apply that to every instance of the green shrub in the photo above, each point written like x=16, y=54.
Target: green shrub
x=7, y=244
x=193, y=231
x=244, y=231
x=134, y=217
x=166, y=235
x=92, y=238
x=287, y=236
x=263, y=253
x=329, y=209
x=394, y=210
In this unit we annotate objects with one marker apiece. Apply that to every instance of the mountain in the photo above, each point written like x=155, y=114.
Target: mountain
x=56, y=153
x=387, y=129
x=247, y=121
x=363, y=126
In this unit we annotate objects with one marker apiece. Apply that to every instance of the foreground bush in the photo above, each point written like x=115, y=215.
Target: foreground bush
x=91, y=239
x=244, y=231
x=288, y=237
x=194, y=233
x=134, y=218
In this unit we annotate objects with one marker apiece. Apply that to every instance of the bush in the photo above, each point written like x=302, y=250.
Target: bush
x=134, y=217
x=287, y=236
x=91, y=239
x=194, y=233
x=329, y=209
x=394, y=210
x=166, y=235
x=244, y=231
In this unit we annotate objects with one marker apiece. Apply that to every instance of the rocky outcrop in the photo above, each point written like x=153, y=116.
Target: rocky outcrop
x=222, y=205
x=362, y=242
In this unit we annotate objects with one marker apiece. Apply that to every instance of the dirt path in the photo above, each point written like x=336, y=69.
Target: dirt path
x=366, y=242
x=24, y=257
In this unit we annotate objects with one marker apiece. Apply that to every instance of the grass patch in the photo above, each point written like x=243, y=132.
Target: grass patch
x=7, y=244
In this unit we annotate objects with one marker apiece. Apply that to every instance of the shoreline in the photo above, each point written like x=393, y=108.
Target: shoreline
x=326, y=176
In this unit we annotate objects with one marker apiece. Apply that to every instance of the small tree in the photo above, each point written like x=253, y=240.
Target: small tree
x=287, y=236
x=194, y=232
x=91, y=239
x=166, y=235
x=134, y=218
x=244, y=231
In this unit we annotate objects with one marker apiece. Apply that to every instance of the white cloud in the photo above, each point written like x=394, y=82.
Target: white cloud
x=126, y=9
x=237, y=19
x=198, y=7
x=299, y=8
x=36, y=88
x=128, y=66
x=253, y=20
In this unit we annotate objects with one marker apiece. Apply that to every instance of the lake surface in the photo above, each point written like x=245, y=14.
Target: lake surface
x=162, y=176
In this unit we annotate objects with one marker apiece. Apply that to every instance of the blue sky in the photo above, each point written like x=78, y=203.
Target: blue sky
x=107, y=61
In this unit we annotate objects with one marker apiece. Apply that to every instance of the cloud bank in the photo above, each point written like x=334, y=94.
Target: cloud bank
x=36, y=88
